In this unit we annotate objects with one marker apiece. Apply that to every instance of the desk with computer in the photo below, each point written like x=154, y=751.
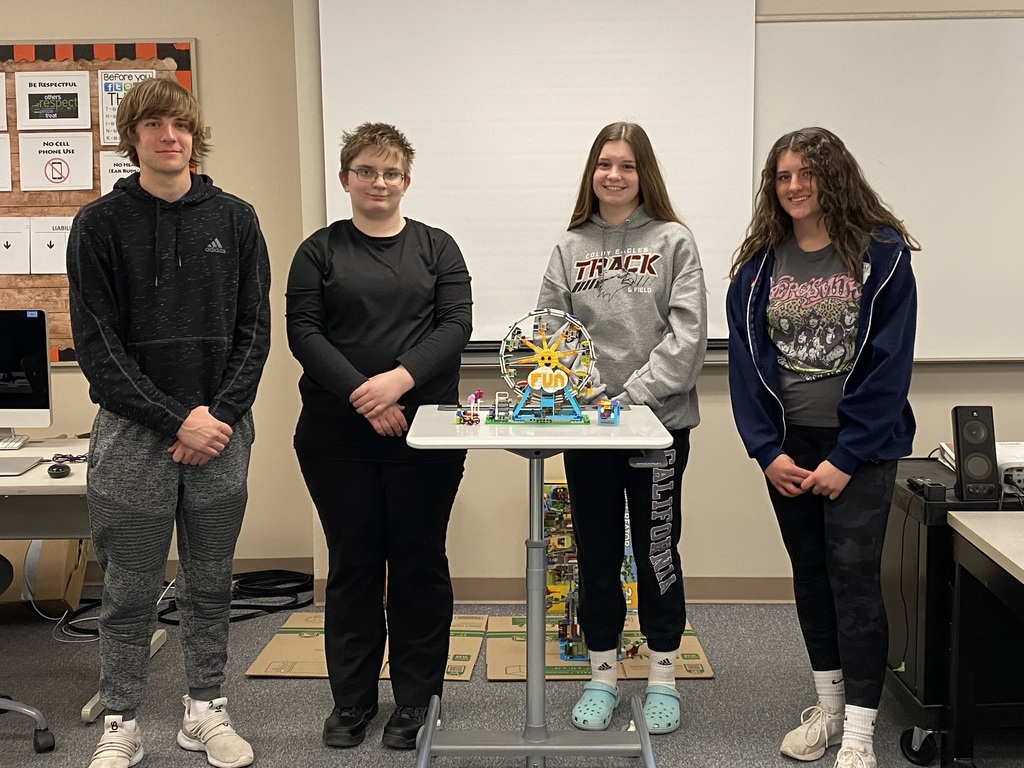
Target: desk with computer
x=34, y=503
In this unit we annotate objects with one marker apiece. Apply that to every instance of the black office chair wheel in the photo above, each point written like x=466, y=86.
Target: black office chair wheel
x=925, y=752
x=42, y=741
x=4, y=711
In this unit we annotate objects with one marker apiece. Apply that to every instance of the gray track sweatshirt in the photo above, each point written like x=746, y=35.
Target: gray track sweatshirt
x=639, y=291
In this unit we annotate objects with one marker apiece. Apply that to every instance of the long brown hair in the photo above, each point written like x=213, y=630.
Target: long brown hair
x=653, y=195
x=852, y=210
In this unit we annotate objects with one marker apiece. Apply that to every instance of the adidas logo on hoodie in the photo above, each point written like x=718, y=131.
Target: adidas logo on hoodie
x=215, y=246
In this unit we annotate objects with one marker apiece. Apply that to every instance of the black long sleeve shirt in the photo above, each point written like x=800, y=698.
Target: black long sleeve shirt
x=358, y=306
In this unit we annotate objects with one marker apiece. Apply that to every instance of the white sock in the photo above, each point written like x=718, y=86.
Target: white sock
x=662, y=668
x=859, y=727
x=604, y=667
x=831, y=689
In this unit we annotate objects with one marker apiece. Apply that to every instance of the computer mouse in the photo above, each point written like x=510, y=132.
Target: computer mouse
x=58, y=470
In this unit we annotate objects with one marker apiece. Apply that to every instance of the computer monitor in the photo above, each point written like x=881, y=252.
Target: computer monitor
x=24, y=370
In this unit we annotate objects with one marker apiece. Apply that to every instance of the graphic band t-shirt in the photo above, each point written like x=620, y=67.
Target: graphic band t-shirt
x=813, y=309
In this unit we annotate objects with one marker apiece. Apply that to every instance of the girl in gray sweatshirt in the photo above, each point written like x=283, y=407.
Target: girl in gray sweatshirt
x=628, y=268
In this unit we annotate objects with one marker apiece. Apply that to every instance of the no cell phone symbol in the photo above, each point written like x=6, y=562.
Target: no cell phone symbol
x=56, y=170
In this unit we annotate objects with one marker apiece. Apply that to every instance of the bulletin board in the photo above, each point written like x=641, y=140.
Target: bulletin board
x=57, y=153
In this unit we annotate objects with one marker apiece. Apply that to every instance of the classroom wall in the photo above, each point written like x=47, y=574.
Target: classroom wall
x=258, y=80
x=246, y=81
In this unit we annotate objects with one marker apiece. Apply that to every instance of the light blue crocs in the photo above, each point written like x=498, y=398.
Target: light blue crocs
x=593, y=712
x=661, y=709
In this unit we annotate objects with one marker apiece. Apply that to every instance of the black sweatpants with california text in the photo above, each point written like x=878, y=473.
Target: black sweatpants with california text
x=597, y=480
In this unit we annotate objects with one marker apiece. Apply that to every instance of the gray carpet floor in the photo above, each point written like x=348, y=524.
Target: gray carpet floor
x=736, y=720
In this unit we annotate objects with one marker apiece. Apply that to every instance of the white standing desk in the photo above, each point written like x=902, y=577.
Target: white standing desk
x=435, y=427
x=988, y=550
x=36, y=506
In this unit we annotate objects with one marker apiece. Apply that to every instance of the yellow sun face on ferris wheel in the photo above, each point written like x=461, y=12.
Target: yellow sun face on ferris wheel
x=561, y=359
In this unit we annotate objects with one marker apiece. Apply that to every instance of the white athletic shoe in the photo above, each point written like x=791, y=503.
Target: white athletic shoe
x=818, y=730
x=214, y=734
x=119, y=747
x=856, y=756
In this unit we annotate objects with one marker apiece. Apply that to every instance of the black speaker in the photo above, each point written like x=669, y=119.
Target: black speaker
x=974, y=444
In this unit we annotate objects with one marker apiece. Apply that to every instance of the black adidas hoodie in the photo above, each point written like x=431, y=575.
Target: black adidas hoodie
x=169, y=303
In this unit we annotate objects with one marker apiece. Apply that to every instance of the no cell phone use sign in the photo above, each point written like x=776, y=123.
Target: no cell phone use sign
x=52, y=162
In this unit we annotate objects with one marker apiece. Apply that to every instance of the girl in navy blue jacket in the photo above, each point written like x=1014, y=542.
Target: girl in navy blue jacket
x=822, y=315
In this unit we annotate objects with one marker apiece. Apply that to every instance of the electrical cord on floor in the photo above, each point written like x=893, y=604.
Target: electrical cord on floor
x=246, y=587
x=258, y=585
x=71, y=623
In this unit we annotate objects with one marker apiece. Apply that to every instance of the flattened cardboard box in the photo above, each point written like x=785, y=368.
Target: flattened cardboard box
x=297, y=650
x=56, y=568
x=506, y=653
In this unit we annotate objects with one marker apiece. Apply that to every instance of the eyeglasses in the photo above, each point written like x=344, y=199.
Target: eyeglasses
x=368, y=175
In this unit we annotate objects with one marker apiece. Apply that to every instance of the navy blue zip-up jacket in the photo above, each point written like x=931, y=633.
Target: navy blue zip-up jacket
x=876, y=422
x=169, y=303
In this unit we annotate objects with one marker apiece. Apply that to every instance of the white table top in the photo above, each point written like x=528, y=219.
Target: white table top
x=638, y=428
x=1000, y=535
x=36, y=482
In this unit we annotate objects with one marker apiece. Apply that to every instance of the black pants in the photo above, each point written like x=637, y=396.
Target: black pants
x=597, y=480
x=836, y=551
x=385, y=523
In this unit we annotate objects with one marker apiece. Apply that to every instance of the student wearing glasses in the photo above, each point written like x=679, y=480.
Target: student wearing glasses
x=379, y=310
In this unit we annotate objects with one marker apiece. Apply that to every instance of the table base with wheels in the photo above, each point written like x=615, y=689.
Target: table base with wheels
x=638, y=429
x=536, y=742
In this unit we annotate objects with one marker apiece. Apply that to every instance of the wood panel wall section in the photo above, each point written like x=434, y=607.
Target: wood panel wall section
x=168, y=59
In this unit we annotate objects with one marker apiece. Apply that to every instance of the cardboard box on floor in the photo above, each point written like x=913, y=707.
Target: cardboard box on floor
x=506, y=653
x=56, y=569
x=297, y=650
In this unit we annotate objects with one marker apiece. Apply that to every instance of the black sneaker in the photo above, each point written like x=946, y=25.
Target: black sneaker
x=402, y=727
x=346, y=726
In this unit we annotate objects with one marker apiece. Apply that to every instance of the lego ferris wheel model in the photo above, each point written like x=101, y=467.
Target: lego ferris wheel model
x=547, y=358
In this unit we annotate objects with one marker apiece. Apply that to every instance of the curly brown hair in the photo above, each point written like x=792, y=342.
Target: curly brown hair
x=653, y=194
x=852, y=211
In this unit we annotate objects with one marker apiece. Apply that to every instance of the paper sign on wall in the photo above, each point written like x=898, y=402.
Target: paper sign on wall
x=14, y=244
x=113, y=167
x=53, y=162
x=52, y=100
x=110, y=89
x=49, y=244
x=5, y=162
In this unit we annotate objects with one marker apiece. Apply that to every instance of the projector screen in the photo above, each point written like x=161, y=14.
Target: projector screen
x=502, y=101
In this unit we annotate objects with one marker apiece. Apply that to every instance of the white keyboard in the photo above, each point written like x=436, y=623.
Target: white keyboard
x=12, y=442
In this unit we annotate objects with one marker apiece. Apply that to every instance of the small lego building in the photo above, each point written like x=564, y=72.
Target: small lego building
x=608, y=413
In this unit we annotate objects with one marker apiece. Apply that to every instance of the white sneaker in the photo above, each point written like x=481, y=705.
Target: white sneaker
x=856, y=756
x=119, y=747
x=818, y=730
x=213, y=733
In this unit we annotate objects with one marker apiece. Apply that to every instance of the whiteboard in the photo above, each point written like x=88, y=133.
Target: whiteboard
x=502, y=102
x=933, y=110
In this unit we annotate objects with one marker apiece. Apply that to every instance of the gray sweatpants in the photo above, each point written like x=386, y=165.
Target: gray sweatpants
x=137, y=495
